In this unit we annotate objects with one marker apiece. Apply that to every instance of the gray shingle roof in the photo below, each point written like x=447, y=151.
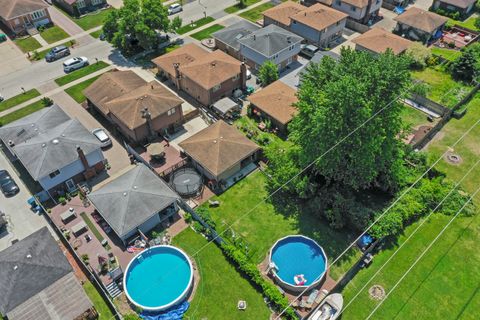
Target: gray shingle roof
x=270, y=40
x=48, y=141
x=132, y=198
x=230, y=35
x=28, y=267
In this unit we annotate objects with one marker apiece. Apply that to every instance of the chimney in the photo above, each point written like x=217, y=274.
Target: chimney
x=243, y=75
x=82, y=157
x=176, y=66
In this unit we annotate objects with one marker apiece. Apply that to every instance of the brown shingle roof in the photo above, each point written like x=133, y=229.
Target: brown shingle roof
x=218, y=147
x=183, y=56
x=277, y=101
x=319, y=16
x=13, y=8
x=154, y=96
x=212, y=69
x=421, y=19
x=379, y=40
x=111, y=85
x=357, y=3
x=284, y=11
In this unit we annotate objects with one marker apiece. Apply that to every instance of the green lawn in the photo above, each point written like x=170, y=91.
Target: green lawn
x=442, y=87
x=469, y=23
x=96, y=34
x=91, y=226
x=92, y=20
x=255, y=14
x=196, y=24
x=448, y=54
x=413, y=117
x=27, y=44
x=54, y=34
x=18, y=99
x=237, y=7
x=104, y=312
x=76, y=92
x=20, y=113
x=205, y=33
x=41, y=54
x=275, y=219
x=444, y=284
x=80, y=73
x=221, y=286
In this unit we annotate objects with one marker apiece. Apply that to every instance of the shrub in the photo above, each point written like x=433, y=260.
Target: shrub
x=204, y=213
x=418, y=54
x=198, y=227
x=62, y=200
x=268, y=73
x=188, y=217
x=85, y=258
x=467, y=66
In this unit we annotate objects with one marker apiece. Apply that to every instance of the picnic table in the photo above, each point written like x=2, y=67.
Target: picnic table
x=79, y=228
x=156, y=150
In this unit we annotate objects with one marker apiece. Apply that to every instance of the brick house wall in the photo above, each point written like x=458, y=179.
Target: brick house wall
x=18, y=25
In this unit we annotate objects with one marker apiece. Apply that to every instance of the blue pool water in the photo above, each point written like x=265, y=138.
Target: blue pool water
x=295, y=255
x=158, y=278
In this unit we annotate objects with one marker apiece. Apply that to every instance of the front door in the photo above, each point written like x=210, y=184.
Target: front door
x=70, y=185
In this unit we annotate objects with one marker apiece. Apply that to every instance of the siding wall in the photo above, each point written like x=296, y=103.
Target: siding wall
x=256, y=58
x=319, y=38
x=17, y=25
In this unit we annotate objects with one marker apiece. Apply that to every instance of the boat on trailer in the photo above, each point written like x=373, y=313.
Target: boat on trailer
x=329, y=309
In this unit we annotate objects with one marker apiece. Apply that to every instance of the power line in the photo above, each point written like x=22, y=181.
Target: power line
x=424, y=252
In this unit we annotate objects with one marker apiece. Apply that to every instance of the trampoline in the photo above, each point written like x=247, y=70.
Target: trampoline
x=186, y=181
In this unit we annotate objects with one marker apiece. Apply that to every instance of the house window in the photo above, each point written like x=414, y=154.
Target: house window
x=338, y=2
x=378, y=1
x=338, y=23
x=54, y=174
x=38, y=14
x=352, y=8
x=97, y=2
x=217, y=87
x=17, y=22
x=294, y=22
x=171, y=111
x=81, y=4
x=237, y=76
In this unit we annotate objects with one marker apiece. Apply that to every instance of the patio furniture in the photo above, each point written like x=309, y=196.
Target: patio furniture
x=366, y=261
x=214, y=203
x=79, y=228
x=311, y=299
x=242, y=305
x=104, y=242
x=88, y=238
x=262, y=126
x=68, y=215
x=156, y=151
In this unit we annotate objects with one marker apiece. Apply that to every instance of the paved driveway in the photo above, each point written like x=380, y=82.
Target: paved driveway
x=64, y=22
x=11, y=59
x=21, y=220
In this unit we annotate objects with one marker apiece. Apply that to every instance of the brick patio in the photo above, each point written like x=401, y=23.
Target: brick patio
x=172, y=157
x=94, y=247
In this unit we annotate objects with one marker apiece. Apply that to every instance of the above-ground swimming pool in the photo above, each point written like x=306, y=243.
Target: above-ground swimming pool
x=158, y=278
x=298, y=262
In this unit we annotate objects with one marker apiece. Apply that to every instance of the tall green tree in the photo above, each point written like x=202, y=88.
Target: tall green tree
x=268, y=73
x=467, y=66
x=137, y=23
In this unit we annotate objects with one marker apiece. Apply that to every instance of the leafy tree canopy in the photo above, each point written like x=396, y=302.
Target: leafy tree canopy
x=268, y=73
x=467, y=66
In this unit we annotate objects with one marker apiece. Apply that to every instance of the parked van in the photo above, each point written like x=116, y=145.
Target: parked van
x=308, y=50
x=175, y=8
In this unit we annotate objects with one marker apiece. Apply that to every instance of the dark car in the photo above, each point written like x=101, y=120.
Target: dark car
x=57, y=53
x=7, y=184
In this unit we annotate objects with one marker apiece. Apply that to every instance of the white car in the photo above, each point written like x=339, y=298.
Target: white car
x=1, y=98
x=103, y=137
x=74, y=64
x=174, y=8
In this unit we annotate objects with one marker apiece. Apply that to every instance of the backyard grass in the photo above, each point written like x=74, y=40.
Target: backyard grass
x=221, y=286
x=53, y=34
x=469, y=23
x=196, y=24
x=104, y=312
x=205, y=33
x=40, y=55
x=448, y=54
x=413, y=117
x=76, y=92
x=80, y=73
x=18, y=99
x=255, y=14
x=96, y=34
x=237, y=7
x=20, y=113
x=91, y=226
x=28, y=44
x=273, y=220
x=443, y=88
x=445, y=281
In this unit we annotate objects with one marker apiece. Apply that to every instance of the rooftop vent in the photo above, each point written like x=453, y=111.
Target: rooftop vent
x=44, y=145
x=135, y=187
x=124, y=194
x=55, y=141
x=29, y=256
x=15, y=267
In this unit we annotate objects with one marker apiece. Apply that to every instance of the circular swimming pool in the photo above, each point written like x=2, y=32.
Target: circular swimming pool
x=158, y=278
x=298, y=262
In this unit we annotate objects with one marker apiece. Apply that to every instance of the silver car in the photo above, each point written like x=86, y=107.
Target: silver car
x=103, y=137
x=74, y=64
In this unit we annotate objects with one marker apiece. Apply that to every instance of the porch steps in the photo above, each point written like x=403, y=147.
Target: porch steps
x=113, y=289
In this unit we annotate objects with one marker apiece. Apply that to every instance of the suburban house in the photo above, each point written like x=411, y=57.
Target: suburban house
x=378, y=40
x=221, y=153
x=58, y=152
x=463, y=7
x=22, y=16
x=78, y=7
x=362, y=11
x=38, y=282
x=205, y=76
x=270, y=43
x=138, y=200
x=227, y=38
x=140, y=110
x=318, y=24
x=420, y=25
x=275, y=102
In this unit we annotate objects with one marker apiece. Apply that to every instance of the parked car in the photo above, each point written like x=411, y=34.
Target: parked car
x=103, y=137
x=3, y=37
x=308, y=50
x=175, y=8
x=7, y=184
x=1, y=98
x=249, y=74
x=57, y=53
x=74, y=64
